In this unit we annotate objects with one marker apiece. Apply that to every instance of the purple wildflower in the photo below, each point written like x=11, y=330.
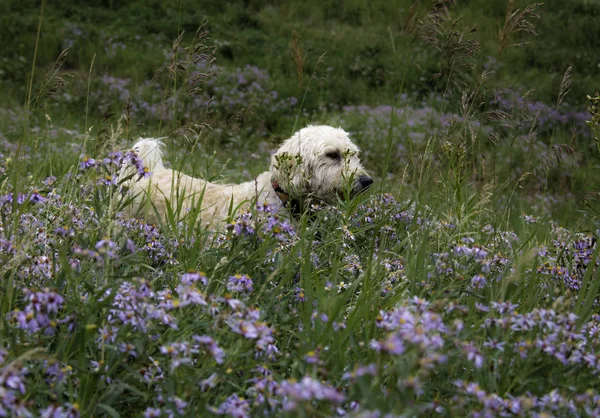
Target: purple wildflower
x=233, y=406
x=211, y=346
x=240, y=283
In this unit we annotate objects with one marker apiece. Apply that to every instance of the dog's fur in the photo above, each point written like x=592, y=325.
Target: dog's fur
x=316, y=164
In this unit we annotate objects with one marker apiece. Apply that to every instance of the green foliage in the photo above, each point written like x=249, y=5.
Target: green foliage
x=380, y=39
x=466, y=283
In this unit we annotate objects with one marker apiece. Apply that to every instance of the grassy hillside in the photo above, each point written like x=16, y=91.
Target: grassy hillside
x=465, y=283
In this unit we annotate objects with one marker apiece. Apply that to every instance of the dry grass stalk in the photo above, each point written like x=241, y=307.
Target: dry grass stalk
x=430, y=28
x=194, y=69
x=411, y=20
x=457, y=50
x=517, y=21
x=565, y=86
x=52, y=82
x=298, y=58
x=201, y=52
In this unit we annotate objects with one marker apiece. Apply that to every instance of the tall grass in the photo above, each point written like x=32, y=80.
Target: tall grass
x=435, y=295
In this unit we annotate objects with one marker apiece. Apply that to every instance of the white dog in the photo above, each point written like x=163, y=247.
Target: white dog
x=318, y=163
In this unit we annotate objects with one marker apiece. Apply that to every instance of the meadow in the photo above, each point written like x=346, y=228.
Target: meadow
x=464, y=283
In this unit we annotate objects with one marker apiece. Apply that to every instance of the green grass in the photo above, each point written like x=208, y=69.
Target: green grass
x=464, y=283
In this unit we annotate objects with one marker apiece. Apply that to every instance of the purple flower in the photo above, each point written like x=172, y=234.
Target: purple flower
x=473, y=354
x=208, y=383
x=192, y=277
x=282, y=231
x=180, y=404
x=13, y=381
x=49, y=181
x=40, y=312
x=503, y=307
x=246, y=328
x=188, y=295
x=209, y=344
x=240, y=283
x=108, y=334
x=233, y=406
x=128, y=349
x=180, y=353
x=312, y=357
x=87, y=163
x=105, y=247
x=67, y=410
x=481, y=307
x=36, y=197
x=130, y=246
x=478, y=282
x=393, y=344
x=152, y=412
x=243, y=224
x=360, y=371
x=307, y=389
x=299, y=294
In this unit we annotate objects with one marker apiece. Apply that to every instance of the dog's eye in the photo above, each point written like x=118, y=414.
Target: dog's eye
x=334, y=155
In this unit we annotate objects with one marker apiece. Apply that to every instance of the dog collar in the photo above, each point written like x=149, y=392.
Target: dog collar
x=295, y=206
x=285, y=198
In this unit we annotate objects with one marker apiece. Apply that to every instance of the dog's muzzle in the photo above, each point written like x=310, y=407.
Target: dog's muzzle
x=363, y=183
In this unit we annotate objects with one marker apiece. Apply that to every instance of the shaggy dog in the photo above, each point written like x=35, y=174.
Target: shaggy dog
x=318, y=163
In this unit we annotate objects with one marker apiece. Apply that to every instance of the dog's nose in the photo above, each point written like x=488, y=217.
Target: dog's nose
x=365, y=181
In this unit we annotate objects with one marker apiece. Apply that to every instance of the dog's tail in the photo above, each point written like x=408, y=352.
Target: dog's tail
x=148, y=149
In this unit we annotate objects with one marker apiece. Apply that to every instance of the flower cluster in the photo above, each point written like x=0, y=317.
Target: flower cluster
x=40, y=312
x=240, y=283
x=14, y=389
x=416, y=326
x=544, y=116
x=248, y=325
x=181, y=353
x=307, y=390
x=116, y=167
x=266, y=224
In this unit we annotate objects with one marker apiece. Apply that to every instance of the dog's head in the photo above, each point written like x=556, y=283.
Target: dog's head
x=319, y=162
